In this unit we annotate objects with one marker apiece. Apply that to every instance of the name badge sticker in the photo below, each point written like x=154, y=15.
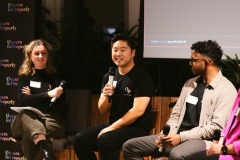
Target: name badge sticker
x=114, y=84
x=35, y=84
x=192, y=100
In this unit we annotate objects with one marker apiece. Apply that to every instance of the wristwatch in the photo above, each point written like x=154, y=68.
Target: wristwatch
x=224, y=150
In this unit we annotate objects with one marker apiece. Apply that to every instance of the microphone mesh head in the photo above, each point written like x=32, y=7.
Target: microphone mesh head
x=216, y=134
x=62, y=83
x=166, y=129
x=111, y=70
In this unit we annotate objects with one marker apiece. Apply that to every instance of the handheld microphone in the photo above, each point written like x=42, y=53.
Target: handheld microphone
x=110, y=81
x=166, y=130
x=55, y=98
x=216, y=136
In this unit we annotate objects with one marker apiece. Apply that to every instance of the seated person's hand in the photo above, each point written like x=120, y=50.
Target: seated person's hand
x=107, y=129
x=26, y=90
x=214, y=149
x=170, y=140
x=56, y=92
x=158, y=140
x=107, y=90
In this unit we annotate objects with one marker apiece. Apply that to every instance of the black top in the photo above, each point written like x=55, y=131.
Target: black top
x=192, y=114
x=40, y=83
x=136, y=83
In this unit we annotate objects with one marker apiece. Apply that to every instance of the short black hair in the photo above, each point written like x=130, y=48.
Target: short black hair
x=130, y=41
x=209, y=48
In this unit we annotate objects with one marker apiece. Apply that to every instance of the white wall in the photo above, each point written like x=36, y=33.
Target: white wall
x=132, y=12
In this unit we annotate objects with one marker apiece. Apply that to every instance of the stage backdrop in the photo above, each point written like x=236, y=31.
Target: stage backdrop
x=17, y=18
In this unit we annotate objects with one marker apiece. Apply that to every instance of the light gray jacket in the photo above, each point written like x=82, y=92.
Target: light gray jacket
x=217, y=102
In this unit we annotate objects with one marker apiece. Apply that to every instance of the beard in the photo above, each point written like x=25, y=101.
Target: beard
x=198, y=71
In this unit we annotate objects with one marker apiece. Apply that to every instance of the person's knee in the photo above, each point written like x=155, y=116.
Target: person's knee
x=176, y=155
x=128, y=145
x=135, y=148
x=103, y=142
x=79, y=139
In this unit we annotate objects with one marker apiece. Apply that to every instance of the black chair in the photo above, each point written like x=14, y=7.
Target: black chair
x=78, y=106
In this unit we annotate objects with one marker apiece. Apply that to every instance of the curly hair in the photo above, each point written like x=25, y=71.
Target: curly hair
x=209, y=48
x=27, y=67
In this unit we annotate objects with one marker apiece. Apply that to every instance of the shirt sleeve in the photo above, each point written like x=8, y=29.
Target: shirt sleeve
x=28, y=100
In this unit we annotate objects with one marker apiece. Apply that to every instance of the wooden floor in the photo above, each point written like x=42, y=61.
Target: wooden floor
x=159, y=103
x=70, y=155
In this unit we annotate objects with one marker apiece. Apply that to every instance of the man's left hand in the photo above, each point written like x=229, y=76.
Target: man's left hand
x=171, y=140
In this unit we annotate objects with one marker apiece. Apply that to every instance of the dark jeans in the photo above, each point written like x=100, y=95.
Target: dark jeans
x=108, y=144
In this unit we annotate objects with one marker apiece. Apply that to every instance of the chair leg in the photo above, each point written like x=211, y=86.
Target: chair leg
x=69, y=152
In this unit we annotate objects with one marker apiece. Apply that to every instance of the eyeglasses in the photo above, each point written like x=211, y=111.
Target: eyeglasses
x=195, y=61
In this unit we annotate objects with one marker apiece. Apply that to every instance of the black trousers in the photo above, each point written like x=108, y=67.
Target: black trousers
x=108, y=144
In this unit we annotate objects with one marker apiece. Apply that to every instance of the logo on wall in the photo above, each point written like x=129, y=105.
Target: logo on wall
x=6, y=64
x=13, y=155
x=15, y=44
x=8, y=155
x=9, y=118
x=14, y=7
x=11, y=81
x=4, y=137
x=6, y=26
x=13, y=38
x=4, y=100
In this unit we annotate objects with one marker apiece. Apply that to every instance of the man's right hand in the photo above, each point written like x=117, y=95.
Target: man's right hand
x=107, y=90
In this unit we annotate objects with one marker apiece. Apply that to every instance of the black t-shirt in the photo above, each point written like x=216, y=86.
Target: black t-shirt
x=40, y=83
x=192, y=113
x=136, y=83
